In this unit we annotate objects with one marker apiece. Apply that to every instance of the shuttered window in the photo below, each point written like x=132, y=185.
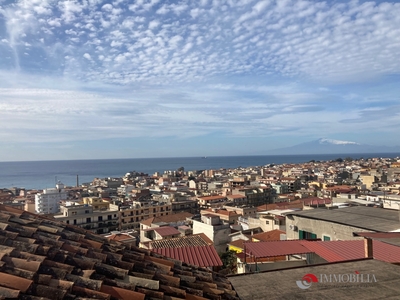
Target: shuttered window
x=305, y=235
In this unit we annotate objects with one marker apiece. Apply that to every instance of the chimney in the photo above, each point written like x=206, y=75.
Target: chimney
x=368, y=250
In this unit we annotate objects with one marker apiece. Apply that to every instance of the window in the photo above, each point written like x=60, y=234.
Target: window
x=100, y=218
x=305, y=235
x=109, y=217
x=67, y=221
x=86, y=211
x=266, y=222
x=88, y=220
x=327, y=238
x=75, y=222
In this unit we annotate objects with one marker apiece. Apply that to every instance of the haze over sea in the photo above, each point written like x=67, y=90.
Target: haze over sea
x=44, y=174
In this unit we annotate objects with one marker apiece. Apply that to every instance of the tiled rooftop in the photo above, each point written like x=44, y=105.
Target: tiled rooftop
x=273, y=235
x=164, y=231
x=44, y=259
x=197, y=250
x=202, y=256
x=186, y=241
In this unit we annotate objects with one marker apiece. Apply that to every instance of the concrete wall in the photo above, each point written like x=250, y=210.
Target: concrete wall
x=321, y=229
x=267, y=266
x=218, y=234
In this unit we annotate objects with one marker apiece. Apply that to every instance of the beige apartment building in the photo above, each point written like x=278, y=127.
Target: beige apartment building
x=211, y=201
x=85, y=216
x=131, y=216
x=96, y=202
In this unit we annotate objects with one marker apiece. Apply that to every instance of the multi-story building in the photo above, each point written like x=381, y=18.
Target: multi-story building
x=212, y=201
x=293, y=183
x=280, y=188
x=48, y=202
x=340, y=224
x=215, y=230
x=244, y=211
x=96, y=202
x=256, y=196
x=5, y=196
x=131, y=215
x=229, y=216
x=238, y=199
x=97, y=221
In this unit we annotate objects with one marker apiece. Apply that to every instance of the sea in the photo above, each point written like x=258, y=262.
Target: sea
x=45, y=174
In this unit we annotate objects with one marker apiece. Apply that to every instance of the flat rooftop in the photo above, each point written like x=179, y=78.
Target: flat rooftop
x=281, y=284
x=369, y=218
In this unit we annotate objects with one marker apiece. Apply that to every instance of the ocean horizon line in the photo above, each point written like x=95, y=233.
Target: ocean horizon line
x=43, y=174
x=205, y=156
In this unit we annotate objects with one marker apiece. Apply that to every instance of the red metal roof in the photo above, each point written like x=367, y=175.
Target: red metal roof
x=331, y=251
x=202, y=256
x=379, y=235
x=275, y=248
x=334, y=251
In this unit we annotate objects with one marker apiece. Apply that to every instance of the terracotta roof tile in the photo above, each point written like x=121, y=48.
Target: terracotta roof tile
x=41, y=258
x=202, y=256
x=273, y=235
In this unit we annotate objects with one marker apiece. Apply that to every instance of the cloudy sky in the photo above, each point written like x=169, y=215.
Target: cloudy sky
x=157, y=78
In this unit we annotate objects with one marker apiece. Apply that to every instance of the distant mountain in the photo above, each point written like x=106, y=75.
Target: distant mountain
x=330, y=146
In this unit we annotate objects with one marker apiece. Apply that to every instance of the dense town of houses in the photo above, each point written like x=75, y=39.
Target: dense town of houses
x=295, y=209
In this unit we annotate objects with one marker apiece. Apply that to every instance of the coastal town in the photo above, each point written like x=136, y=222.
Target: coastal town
x=229, y=222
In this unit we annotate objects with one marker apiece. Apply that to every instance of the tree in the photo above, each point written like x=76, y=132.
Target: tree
x=229, y=261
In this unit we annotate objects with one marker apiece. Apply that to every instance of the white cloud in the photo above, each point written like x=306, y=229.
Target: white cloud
x=284, y=46
x=107, y=7
x=87, y=56
x=154, y=24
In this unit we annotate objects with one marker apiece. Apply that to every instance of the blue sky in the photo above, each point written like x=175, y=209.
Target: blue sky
x=153, y=78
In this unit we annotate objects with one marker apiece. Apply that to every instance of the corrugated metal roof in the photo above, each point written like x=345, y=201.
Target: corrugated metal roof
x=334, y=251
x=202, y=256
x=275, y=248
x=387, y=237
x=386, y=252
x=378, y=235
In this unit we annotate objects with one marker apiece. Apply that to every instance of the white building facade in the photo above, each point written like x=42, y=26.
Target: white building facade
x=48, y=202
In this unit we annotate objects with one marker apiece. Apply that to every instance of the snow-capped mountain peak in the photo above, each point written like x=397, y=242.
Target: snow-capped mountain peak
x=336, y=142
